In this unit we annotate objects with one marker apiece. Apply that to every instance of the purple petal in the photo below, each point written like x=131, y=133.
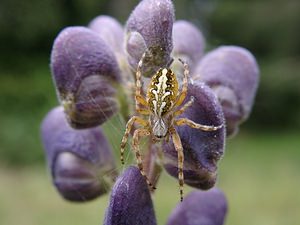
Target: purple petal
x=149, y=27
x=84, y=69
x=232, y=72
x=202, y=149
x=130, y=201
x=110, y=30
x=80, y=161
x=189, y=42
x=200, y=208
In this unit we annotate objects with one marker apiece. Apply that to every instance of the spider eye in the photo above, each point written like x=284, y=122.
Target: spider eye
x=159, y=136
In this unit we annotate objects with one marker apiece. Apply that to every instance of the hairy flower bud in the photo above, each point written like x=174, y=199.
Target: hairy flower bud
x=233, y=74
x=189, y=43
x=149, y=29
x=200, y=208
x=202, y=149
x=130, y=201
x=84, y=70
x=81, y=161
x=110, y=30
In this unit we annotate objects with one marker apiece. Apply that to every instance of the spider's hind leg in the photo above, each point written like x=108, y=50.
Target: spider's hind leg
x=138, y=85
x=184, y=89
x=184, y=107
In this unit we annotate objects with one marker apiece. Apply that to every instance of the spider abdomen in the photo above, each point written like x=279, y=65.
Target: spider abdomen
x=162, y=92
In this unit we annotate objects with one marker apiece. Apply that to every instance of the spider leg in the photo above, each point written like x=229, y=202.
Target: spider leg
x=179, y=149
x=139, y=99
x=127, y=131
x=185, y=121
x=184, y=107
x=142, y=132
x=184, y=90
x=143, y=111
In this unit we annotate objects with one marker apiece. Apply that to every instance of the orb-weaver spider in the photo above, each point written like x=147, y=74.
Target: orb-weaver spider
x=163, y=103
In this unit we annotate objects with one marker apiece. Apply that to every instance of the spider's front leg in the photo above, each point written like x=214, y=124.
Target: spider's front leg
x=127, y=132
x=185, y=121
x=142, y=132
x=178, y=146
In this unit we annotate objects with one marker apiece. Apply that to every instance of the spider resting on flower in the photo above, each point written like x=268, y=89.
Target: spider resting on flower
x=163, y=103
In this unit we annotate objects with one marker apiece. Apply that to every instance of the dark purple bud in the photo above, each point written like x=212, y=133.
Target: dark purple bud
x=149, y=28
x=80, y=161
x=200, y=208
x=84, y=69
x=233, y=74
x=202, y=149
x=110, y=30
x=189, y=43
x=130, y=201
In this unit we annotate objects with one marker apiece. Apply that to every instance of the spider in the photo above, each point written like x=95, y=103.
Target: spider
x=163, y=103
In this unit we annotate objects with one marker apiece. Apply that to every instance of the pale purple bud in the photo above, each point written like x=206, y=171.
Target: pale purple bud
x=130, y=201
x=149, y=29
x=233, y=74
x=201, y=208
x=202, y=149
x=110, y=30
x=81, y=162
x=189, y=43
x=84, y=70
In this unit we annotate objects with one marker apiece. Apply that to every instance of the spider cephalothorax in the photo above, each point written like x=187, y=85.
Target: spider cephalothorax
x=162, y=105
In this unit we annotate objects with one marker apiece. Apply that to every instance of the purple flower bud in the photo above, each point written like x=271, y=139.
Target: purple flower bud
x=233, y=74
x=202, y=149
x=110, y=30
x=200, y=208
x=130, y=201
x=84, y=69
x=81, y=161
x=189, y=43
x=149, y=28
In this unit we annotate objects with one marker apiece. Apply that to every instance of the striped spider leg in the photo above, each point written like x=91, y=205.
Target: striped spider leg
x=138, y=133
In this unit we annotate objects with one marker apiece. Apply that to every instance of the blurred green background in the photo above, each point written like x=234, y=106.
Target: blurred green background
x=259, y=172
